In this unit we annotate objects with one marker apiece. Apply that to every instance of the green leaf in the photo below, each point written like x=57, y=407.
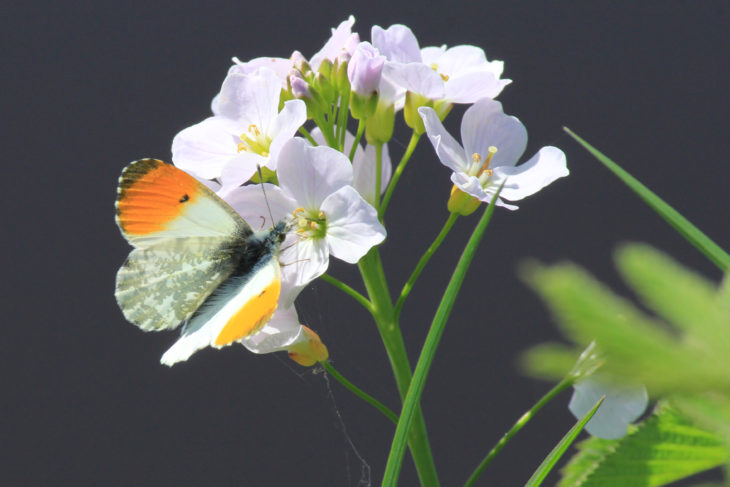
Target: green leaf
x=693, y=234
x=682, y=297
x=689, y=358
x=425, y=359
x=554, y=456
x=664, y=448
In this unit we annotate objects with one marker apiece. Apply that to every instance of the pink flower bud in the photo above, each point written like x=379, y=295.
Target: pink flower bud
x=365, y=68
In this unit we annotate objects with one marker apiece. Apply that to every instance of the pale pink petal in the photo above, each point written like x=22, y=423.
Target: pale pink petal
x=448, y=150
x=336, y=44
x=310, y=174
x=352, y=225
x=397, y=43
x=484, y=125
x=545, y=167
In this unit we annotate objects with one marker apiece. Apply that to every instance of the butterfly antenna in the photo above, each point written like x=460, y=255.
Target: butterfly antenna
x=261, y=178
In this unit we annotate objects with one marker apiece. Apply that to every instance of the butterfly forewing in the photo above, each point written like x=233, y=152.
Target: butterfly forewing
x=157, y=202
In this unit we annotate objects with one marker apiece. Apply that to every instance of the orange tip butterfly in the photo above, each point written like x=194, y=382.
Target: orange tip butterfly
x=195, y=261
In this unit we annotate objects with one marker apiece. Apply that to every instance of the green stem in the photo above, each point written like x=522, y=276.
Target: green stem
x=358, y=137
x=342, y=117
x=308, y=136
x=326, y=127
x=418, y=382
x=378, y=173
x=359, y=392
x=422, y=263
x=376, y=284
x=398, y=171
x=348, y=290
x=524, y=419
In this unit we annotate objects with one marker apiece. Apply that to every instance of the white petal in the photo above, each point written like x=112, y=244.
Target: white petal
x=252, y=99
x=623, y=405
x=448, y=150
x=397, y=43
x=285, y=127
x=281, y=332
x=279, y=65
x=415, y=77
x=303, y=262
x=470, y=87
x=205, y=148
x=363, y=167
x=545, y=167
x=310, y=174
x=352, y=225
x=484, y=125
x=239, y=170
x=250, y=203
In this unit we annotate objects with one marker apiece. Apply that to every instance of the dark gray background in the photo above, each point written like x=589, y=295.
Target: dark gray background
x=91, y=86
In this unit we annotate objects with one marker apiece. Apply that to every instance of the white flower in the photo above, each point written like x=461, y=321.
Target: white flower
x=284, y=333
x=622, y=406
x=459, y=74
x=493, y=143
x=247, y=131
x=330, y=216
x=342, y=39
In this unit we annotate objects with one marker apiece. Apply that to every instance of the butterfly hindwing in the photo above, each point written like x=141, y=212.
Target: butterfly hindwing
x=159, y=287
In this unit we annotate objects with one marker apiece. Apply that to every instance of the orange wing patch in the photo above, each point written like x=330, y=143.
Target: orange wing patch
x=251, y=316
x=152, y=194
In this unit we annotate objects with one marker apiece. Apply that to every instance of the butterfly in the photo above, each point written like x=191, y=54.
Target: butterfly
x=195, y=261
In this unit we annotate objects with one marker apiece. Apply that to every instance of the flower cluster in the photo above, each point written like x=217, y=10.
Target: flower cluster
x=289, y=117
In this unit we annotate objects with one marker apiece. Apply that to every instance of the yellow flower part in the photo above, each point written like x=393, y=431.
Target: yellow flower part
x=309, y=352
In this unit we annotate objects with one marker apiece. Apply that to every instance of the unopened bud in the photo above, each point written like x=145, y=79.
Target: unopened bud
x=462, y=203
x=309, y=352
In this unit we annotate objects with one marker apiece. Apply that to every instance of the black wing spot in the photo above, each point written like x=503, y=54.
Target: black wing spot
x=184, y=198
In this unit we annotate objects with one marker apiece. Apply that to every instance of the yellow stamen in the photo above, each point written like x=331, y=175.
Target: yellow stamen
x=485, y=166
x=444, y=77
x=242, y=147
x=253, y=128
